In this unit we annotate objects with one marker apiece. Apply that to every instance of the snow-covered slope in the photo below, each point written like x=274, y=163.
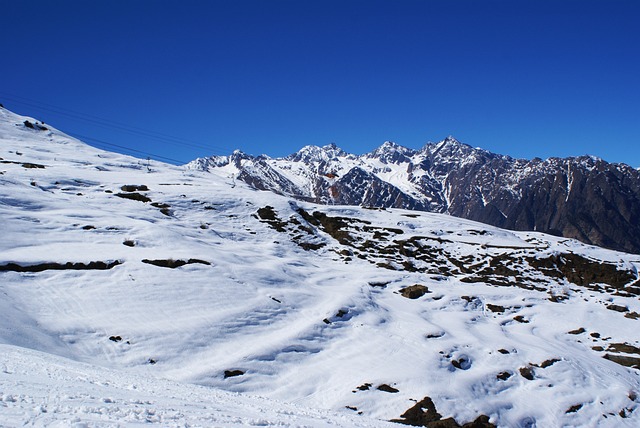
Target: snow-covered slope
x=136, y=293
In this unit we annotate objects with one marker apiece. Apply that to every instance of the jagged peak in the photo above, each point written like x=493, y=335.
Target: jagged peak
x=390, y=152
x=313, y=153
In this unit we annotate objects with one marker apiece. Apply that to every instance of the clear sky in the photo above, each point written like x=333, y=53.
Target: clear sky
x=523, y=78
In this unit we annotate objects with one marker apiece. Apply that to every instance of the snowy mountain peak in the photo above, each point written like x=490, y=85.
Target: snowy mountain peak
x=391, y=153
x=311, y=154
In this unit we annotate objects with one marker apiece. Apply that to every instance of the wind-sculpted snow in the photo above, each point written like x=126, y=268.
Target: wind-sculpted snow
x=222, y=294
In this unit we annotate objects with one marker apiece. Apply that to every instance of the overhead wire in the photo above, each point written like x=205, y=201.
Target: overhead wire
x=107, y=144
x=110, y=124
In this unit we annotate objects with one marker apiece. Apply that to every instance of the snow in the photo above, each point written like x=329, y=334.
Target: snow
x=259, y=306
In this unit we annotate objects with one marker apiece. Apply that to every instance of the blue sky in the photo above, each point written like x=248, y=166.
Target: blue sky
x=196, y=78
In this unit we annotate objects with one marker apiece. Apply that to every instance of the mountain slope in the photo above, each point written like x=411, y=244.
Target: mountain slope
x=162, y=272
x=583, y=198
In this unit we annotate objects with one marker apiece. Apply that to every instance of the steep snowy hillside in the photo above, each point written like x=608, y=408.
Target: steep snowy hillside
x=584, y=198
x=156, y=287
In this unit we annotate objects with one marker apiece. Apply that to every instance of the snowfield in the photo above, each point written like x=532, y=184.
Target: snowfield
x=135, y=293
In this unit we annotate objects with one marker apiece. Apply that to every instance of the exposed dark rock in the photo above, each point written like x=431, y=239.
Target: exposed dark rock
x=14, y=267
x=504, y=375
x=527, y=373
x=414, y=291
x=379, y=284
x=29, y=165
x=364, y=387
x=172, y=264
x=574, y=408
x=115, y=338
x=424, y=414
x=134, y=196
x=129, y=243
x=232, y=373
x=134, y=188
x=548, y=363
x=583, y=271
x=577, y=331
x=495, y=308
x=624, y=348
x=435, y=335
x=618, y=308
x=463, y=362
x=387, y=388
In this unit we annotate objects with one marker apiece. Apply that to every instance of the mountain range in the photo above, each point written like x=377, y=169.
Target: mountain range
x=584, y=197
x=134, y=292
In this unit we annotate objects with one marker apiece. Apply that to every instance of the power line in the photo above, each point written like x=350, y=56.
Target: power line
x=105, y=143
x=110, y=124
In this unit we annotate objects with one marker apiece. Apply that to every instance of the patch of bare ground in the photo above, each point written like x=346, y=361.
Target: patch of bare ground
x=424, y=414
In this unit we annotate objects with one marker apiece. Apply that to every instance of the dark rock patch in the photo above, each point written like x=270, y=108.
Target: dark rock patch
x=14, y=267
x=424, y=414
x=172, y=264
x=582, y=271
x=548, y=363
x=527, y=373
x=134, y=196
x=617, y=308
x=503, y=351
x=435, y=335
x=387, y=388
x=574, y=408
x=495, y=308
x=577, y=331
x=129, y=243
x=115, y=338
x=29, y=165
x=463, y=362
x=379, y=284
x=134, y=188
x=232, y=373
x=624, y=348
x=504, y=375
x=414, y=291
x=26, y=165
x=364, y=387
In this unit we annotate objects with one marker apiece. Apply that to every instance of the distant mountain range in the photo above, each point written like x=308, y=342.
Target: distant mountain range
x=584, y=197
